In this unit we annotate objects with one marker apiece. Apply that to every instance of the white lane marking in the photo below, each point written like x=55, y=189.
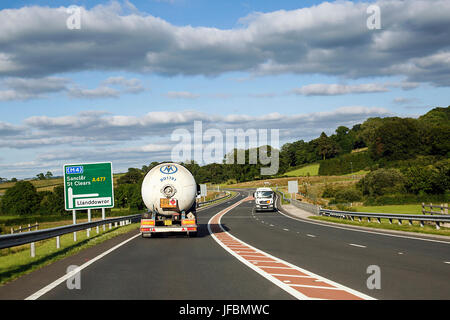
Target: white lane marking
x=357, y=230
x=286, y=281
x=447, y=262
x=286, y=229
x=57, y=282
x=290, y=275
x=318, y=287
x=271, y=225
x=311, y=235
x=357, y=245
x=289, y=268
x=270, y=277
x=250, y=256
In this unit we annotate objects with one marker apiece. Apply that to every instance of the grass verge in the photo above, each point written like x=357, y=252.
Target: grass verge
x=415, y=227
x=16, y=261
x=400, y=209
x=312, y=170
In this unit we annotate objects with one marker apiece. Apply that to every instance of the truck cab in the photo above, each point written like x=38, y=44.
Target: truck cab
x=264, y=199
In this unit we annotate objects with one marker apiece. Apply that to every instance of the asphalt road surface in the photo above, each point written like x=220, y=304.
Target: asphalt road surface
x=178, y=267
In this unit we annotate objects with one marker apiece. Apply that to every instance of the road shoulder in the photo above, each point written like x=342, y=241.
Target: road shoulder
x=297, y=213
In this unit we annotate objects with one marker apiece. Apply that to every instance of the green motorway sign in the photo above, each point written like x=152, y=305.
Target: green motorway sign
x=88, y=186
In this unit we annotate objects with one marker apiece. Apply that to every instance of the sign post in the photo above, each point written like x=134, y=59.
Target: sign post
x=74, y=217
x=203, y=191
x=88, y=186
x=293, y=188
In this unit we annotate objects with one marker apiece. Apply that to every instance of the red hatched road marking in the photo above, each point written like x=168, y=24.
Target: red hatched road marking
x=298, y=282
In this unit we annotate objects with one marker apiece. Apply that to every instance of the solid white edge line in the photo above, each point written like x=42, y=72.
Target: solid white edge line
x=269, y=277
x=57, y=282
x=275, y=281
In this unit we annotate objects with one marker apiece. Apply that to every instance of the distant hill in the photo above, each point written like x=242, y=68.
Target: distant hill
x=437, y=116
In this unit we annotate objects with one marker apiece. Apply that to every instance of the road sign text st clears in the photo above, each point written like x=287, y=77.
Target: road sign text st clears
x=88, y=186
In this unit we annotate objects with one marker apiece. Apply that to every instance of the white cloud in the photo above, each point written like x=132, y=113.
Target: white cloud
x=137, y=140
x=17, y=88
x=320, y=89
x=130, y=85
x=329, y=38
x=403, y=100
x=25, y=89
x=97, y=93
x=103, y=127
x=182, y=95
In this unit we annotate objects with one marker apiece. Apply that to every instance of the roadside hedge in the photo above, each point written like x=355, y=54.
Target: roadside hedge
x=345, y=164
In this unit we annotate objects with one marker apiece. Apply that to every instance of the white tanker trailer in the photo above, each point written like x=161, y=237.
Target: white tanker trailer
x=169, y=192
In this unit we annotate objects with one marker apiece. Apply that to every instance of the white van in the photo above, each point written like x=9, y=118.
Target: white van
x=264, y=199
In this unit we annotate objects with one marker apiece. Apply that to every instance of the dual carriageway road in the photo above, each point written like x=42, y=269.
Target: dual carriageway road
x=241, y=254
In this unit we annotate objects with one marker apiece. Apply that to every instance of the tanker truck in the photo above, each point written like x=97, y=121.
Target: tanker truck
x=169, y=192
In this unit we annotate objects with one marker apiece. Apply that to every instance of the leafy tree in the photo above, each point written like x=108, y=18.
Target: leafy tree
x=382, y=181
x=436, y=117
x=146, y=169
x=48, y=175
x=128, y=196
x=368, y=129
x=395, y=139
x=40, y=176
x=347, y=195
x=429, y=179
x=21, y=199
x=57, y=200
x=132, y=176
x=326, y=147
x=344, y=139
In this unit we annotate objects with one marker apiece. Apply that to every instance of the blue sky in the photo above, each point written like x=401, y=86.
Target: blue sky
x=231, y=64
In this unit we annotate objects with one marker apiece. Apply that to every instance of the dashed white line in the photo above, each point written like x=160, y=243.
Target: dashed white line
x=311, y=235
x=286, y=229
x=357, y=245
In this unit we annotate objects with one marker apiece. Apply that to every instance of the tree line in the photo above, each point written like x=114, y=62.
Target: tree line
x=412, y=152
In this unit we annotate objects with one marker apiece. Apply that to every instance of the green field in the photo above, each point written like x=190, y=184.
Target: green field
x=312, y=169
x=17, y=261
x=400, y=209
